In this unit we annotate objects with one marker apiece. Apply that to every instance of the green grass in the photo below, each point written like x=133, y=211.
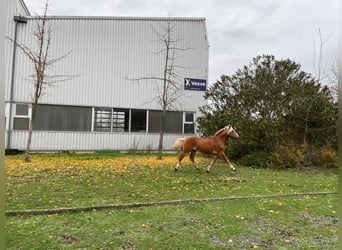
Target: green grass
x=301, y=222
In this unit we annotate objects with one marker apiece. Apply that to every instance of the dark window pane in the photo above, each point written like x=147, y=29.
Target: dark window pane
x=189, y=128
x=154, y=121
x=21, y=109
x=21, y=123
x=189, y=117
x=173, y=122
x=63, y=118
x=138, y=120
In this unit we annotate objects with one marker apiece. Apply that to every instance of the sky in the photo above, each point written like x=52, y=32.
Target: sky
x=238, y=30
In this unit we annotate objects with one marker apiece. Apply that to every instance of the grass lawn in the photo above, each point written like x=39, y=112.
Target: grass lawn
x=73, y=180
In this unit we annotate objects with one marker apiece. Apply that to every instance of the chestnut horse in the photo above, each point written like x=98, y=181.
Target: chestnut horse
x=212, y=145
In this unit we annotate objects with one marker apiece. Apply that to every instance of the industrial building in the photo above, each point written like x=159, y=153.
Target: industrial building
x=110, y=99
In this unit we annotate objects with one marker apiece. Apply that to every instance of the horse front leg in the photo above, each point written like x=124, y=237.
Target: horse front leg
x=211, y=164
x=180, y=158
x=192, y=158
x=224, y=157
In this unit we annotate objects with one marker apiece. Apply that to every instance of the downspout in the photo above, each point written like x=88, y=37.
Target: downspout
x=17, y=19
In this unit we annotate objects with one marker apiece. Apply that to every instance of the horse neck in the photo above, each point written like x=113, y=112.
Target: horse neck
x=222, y=136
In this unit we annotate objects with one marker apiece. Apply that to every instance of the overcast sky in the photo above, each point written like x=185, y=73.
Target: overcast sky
x=238, y=30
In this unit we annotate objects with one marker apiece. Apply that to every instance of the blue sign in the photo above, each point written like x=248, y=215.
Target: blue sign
x=195, y=84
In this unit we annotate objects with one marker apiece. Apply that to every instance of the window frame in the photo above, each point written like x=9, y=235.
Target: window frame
x=188, y=122
x=77, y=118
x=17, y=117
x=109, y=119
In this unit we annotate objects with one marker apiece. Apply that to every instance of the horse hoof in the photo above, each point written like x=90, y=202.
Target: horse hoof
x=207, y=171
x=176, y=169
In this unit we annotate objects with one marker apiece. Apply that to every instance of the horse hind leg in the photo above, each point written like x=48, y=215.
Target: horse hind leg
x=192, y=159
x=180, y=158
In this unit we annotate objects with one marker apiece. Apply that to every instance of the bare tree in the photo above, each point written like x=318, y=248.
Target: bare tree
x=319, y=74
x=169, y=88
x=317, y=62
x=321, y=77
x=330, y=76
x=41, y=61
x=333, y=80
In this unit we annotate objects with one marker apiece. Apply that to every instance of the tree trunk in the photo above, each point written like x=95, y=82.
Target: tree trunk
x=28, y=145
x=306, y=128
x=161, y=136
x=29, y=139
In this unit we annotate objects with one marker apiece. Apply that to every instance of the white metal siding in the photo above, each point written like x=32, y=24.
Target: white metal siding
x=105, y=53
x=58, y=141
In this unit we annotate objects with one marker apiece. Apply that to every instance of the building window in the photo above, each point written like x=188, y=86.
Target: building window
x=21, y=109
x=21, y=123
x=21, y=119
x=189, y=128
x=120, y=120
x=74, y=118
x=189, y=124
x=102, y=119
x=62, y=118
x=173, y=122
x=138, y=120
x=111, y=120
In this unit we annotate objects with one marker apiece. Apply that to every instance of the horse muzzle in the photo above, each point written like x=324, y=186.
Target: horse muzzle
x=234, y=135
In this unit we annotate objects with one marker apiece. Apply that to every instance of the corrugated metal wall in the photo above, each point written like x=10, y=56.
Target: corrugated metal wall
x=58, y=141
x=105, y=53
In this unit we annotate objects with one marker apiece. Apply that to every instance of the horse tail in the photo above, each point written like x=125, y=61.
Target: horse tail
x=178, y=143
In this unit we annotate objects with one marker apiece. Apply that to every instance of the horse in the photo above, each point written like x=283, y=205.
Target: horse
x=213, y=145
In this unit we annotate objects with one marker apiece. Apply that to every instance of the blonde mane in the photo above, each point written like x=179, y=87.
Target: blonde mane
x=219, y=131
x=227, y=130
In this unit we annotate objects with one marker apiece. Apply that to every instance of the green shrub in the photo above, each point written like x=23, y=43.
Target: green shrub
x=325, y=157
x=298, y=156
x=289, y=156
x=260, y=159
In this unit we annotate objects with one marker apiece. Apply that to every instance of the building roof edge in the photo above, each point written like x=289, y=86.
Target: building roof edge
x=124, y=18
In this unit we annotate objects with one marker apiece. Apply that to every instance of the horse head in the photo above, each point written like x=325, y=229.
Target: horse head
x=230, y=132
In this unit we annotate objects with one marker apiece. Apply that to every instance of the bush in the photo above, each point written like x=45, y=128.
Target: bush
x=325, y=157
x=298, y=156
x=289, y=156
x=260, y=159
